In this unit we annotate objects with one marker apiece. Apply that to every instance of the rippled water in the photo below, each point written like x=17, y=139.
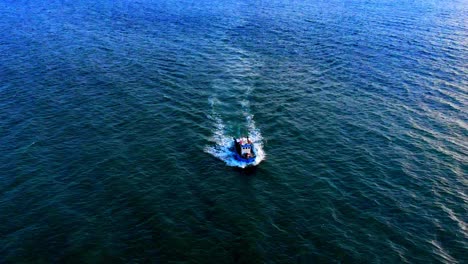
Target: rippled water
x=115, y=118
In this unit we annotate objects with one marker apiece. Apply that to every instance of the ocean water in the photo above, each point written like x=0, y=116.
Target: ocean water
x=116, y=119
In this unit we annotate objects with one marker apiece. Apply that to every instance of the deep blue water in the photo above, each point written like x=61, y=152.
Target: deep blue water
x=116, y=119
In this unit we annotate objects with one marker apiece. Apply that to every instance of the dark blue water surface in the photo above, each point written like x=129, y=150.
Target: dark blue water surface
x=116, y=119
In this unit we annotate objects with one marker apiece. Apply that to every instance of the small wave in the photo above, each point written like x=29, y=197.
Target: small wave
x=224, y=144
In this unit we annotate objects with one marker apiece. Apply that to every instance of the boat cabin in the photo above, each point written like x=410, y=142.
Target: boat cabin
x=244, y=147
x=246, y=150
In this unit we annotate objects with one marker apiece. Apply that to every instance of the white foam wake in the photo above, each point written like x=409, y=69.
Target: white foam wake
x=224, y=144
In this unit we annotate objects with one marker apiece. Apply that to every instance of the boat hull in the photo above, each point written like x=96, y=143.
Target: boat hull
x=242, y=159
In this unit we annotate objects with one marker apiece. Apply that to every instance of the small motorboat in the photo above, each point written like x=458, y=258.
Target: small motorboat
x=244, y=150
